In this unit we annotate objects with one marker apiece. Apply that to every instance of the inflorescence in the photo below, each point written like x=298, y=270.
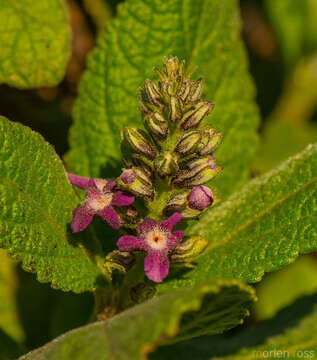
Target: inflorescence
x=166, y=168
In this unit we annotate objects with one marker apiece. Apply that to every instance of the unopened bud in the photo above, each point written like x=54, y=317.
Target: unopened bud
x=142, y=292
x=189, y=249
x=188, y=142
x=152, y=92
x=166, y=164
x=175, y=112
x=138, y=142
x=195, y=91
x=200, y=197
x=185, y=90
x=199, y=172
x=171, y=67
x=193, y=117
x=117, y=260
x=177, y=202
x=131, y=181
x=210, y=140
x=156, y=125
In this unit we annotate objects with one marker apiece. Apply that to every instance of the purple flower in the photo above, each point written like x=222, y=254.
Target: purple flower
x=200, y=197
x=101, y=196
x=158, y=241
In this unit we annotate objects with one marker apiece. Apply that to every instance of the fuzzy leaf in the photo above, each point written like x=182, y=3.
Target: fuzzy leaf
x=206, y=33
x=36, y=205
x=207, y=308
x=262, y=227
x=34, y=43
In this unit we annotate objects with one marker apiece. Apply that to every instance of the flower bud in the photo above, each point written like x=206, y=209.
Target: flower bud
x=142, y=292
x=171, y=67
x=138, y=142
x=117, y=260
x=210, y=140
x=193, y=117
x=156, y=125
x=152, y=92
x=198, y=172
x=195, y=90
x=200, y=197
x=176, y=203
x=175, y=112
x=166, y=164
x=189, y=250
x=185, y=90
x=133, y=180
x=188, y=142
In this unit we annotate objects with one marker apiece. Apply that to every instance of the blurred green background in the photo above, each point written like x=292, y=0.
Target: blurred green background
x=281, y=41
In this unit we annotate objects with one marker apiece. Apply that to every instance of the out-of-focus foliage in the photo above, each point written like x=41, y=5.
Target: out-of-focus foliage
x=289, y=129
x=8, y=306
x=296, y=26
x=34, y=42
x=291, y=331
x=282, y=288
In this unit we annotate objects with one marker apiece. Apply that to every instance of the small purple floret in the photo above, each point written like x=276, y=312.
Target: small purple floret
x=158, y=240
x=128, y=176
x=200, y=197
x=101, y=196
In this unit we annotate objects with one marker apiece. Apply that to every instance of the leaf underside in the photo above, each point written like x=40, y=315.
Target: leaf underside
x=208, y=308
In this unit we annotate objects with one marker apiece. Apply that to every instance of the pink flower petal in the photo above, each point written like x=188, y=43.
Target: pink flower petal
x=146, y=225
x=172, y=221
x=156, y=268
x=130, y=243
x=77, y=180
x=122, y=199
x=110, y=216
x=175, y=239
x=81, y=218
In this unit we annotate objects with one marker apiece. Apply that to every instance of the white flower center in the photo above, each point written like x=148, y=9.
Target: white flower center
x=157, y=239
x=101, y=202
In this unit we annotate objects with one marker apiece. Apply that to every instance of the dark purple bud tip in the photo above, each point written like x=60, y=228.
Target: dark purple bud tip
x=128, y=176
x=200, y=197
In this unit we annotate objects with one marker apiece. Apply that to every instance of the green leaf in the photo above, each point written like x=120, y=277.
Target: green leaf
x=9, y=321
x=34, y=43
x=36, y=205
x=296, y=26
x=262, y=227
x=206, y=33
x=292, y=329
x=282, y=288
x=207, y=308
